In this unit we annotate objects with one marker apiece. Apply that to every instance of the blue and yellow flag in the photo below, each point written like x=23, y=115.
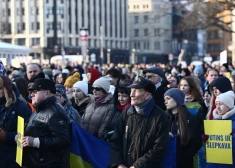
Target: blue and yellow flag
x=87, y=151
x=193, y=107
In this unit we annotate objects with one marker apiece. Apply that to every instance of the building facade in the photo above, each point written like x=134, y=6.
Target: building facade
x=49, y=25
x=150, y=30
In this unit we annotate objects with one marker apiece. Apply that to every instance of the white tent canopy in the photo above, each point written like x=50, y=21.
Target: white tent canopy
x=10, y=51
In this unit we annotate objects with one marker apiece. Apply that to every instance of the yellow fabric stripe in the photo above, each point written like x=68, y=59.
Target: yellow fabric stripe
x=77, y=162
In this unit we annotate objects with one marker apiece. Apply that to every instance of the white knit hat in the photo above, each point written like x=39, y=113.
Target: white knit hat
x=82, y=85
x=103, y=82
x=227, y=98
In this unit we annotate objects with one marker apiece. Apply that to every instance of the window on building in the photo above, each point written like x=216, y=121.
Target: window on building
x=146, y=18
x=35, y=41
x=156, y=32
x=146, y=45
x=23, y=26
x=147, y=6
x=58, y=26
x=157, y=45
x=22, y=11
x=146, y=32
x=136, y=19
x=21, y=41
x=9, y=12
x=32, y=26
x=3, y=12
x=38, y=25
x=143, y=6
x=70, y=42
x=136, y=32
x=134, y=6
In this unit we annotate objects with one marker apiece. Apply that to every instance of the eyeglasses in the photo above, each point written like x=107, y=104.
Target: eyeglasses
x=150, y=76
x=96, y=88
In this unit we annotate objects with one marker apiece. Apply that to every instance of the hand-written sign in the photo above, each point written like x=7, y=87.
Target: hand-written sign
x=20, y=134
x=219, y=144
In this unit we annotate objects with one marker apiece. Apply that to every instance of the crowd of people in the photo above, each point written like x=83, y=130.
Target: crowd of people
x=135, y=108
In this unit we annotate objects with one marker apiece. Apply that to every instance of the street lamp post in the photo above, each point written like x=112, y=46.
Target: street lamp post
x=133, y=56
x=108, y=55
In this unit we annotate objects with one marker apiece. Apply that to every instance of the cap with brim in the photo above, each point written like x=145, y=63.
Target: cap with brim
x=141, y=82
x=154, y=70
x=43, y=84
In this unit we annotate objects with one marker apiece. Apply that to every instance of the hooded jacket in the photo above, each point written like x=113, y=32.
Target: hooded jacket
x=9, y=125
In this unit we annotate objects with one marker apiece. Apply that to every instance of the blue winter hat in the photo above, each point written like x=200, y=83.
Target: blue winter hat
x=198, y=69
x=176, y=94
x=61, y=89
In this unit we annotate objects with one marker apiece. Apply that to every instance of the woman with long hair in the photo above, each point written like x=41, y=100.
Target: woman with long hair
x=184, y=126
x=193, y=98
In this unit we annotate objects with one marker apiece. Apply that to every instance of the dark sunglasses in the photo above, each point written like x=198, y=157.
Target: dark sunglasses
x=97, y=88
x=35, y=91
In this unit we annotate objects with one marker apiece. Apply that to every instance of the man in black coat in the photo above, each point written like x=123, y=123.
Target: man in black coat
x=46, y=138
x=156, y=75
x=141, y=137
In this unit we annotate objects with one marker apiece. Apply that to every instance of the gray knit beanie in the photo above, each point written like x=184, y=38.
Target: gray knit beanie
x=176, y=94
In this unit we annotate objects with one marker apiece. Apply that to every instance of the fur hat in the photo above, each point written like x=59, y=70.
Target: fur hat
x=103, y=83
x=71, y=80
x=82, y=85
x=6, y=85
x=227, y=98
x=176, y=94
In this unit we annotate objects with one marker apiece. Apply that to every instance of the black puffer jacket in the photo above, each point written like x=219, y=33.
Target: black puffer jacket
x=51, y=125
x=140, y=140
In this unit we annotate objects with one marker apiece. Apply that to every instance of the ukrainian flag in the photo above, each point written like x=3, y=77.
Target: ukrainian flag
x=87, y=151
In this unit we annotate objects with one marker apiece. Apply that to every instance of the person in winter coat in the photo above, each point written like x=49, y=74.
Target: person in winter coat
x=81, y=98
x=92, y=75
x=47, y=136
x=216, y=87
x=97, y=113
x=66, y=103
x=10, y=108
x=141, y=137
x=124, y=101
x=193, y=98
x=70, y=81
x=184, y=126
x=225, y=110
x=156, y=75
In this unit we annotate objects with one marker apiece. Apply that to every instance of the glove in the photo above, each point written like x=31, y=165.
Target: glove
x=30, y=141
x=204, y=138
x=2, y=135
x=232, y=133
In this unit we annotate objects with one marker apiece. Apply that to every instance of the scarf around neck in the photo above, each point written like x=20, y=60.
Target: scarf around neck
x=100, y=100
x=120, y=107
x=140, y=109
